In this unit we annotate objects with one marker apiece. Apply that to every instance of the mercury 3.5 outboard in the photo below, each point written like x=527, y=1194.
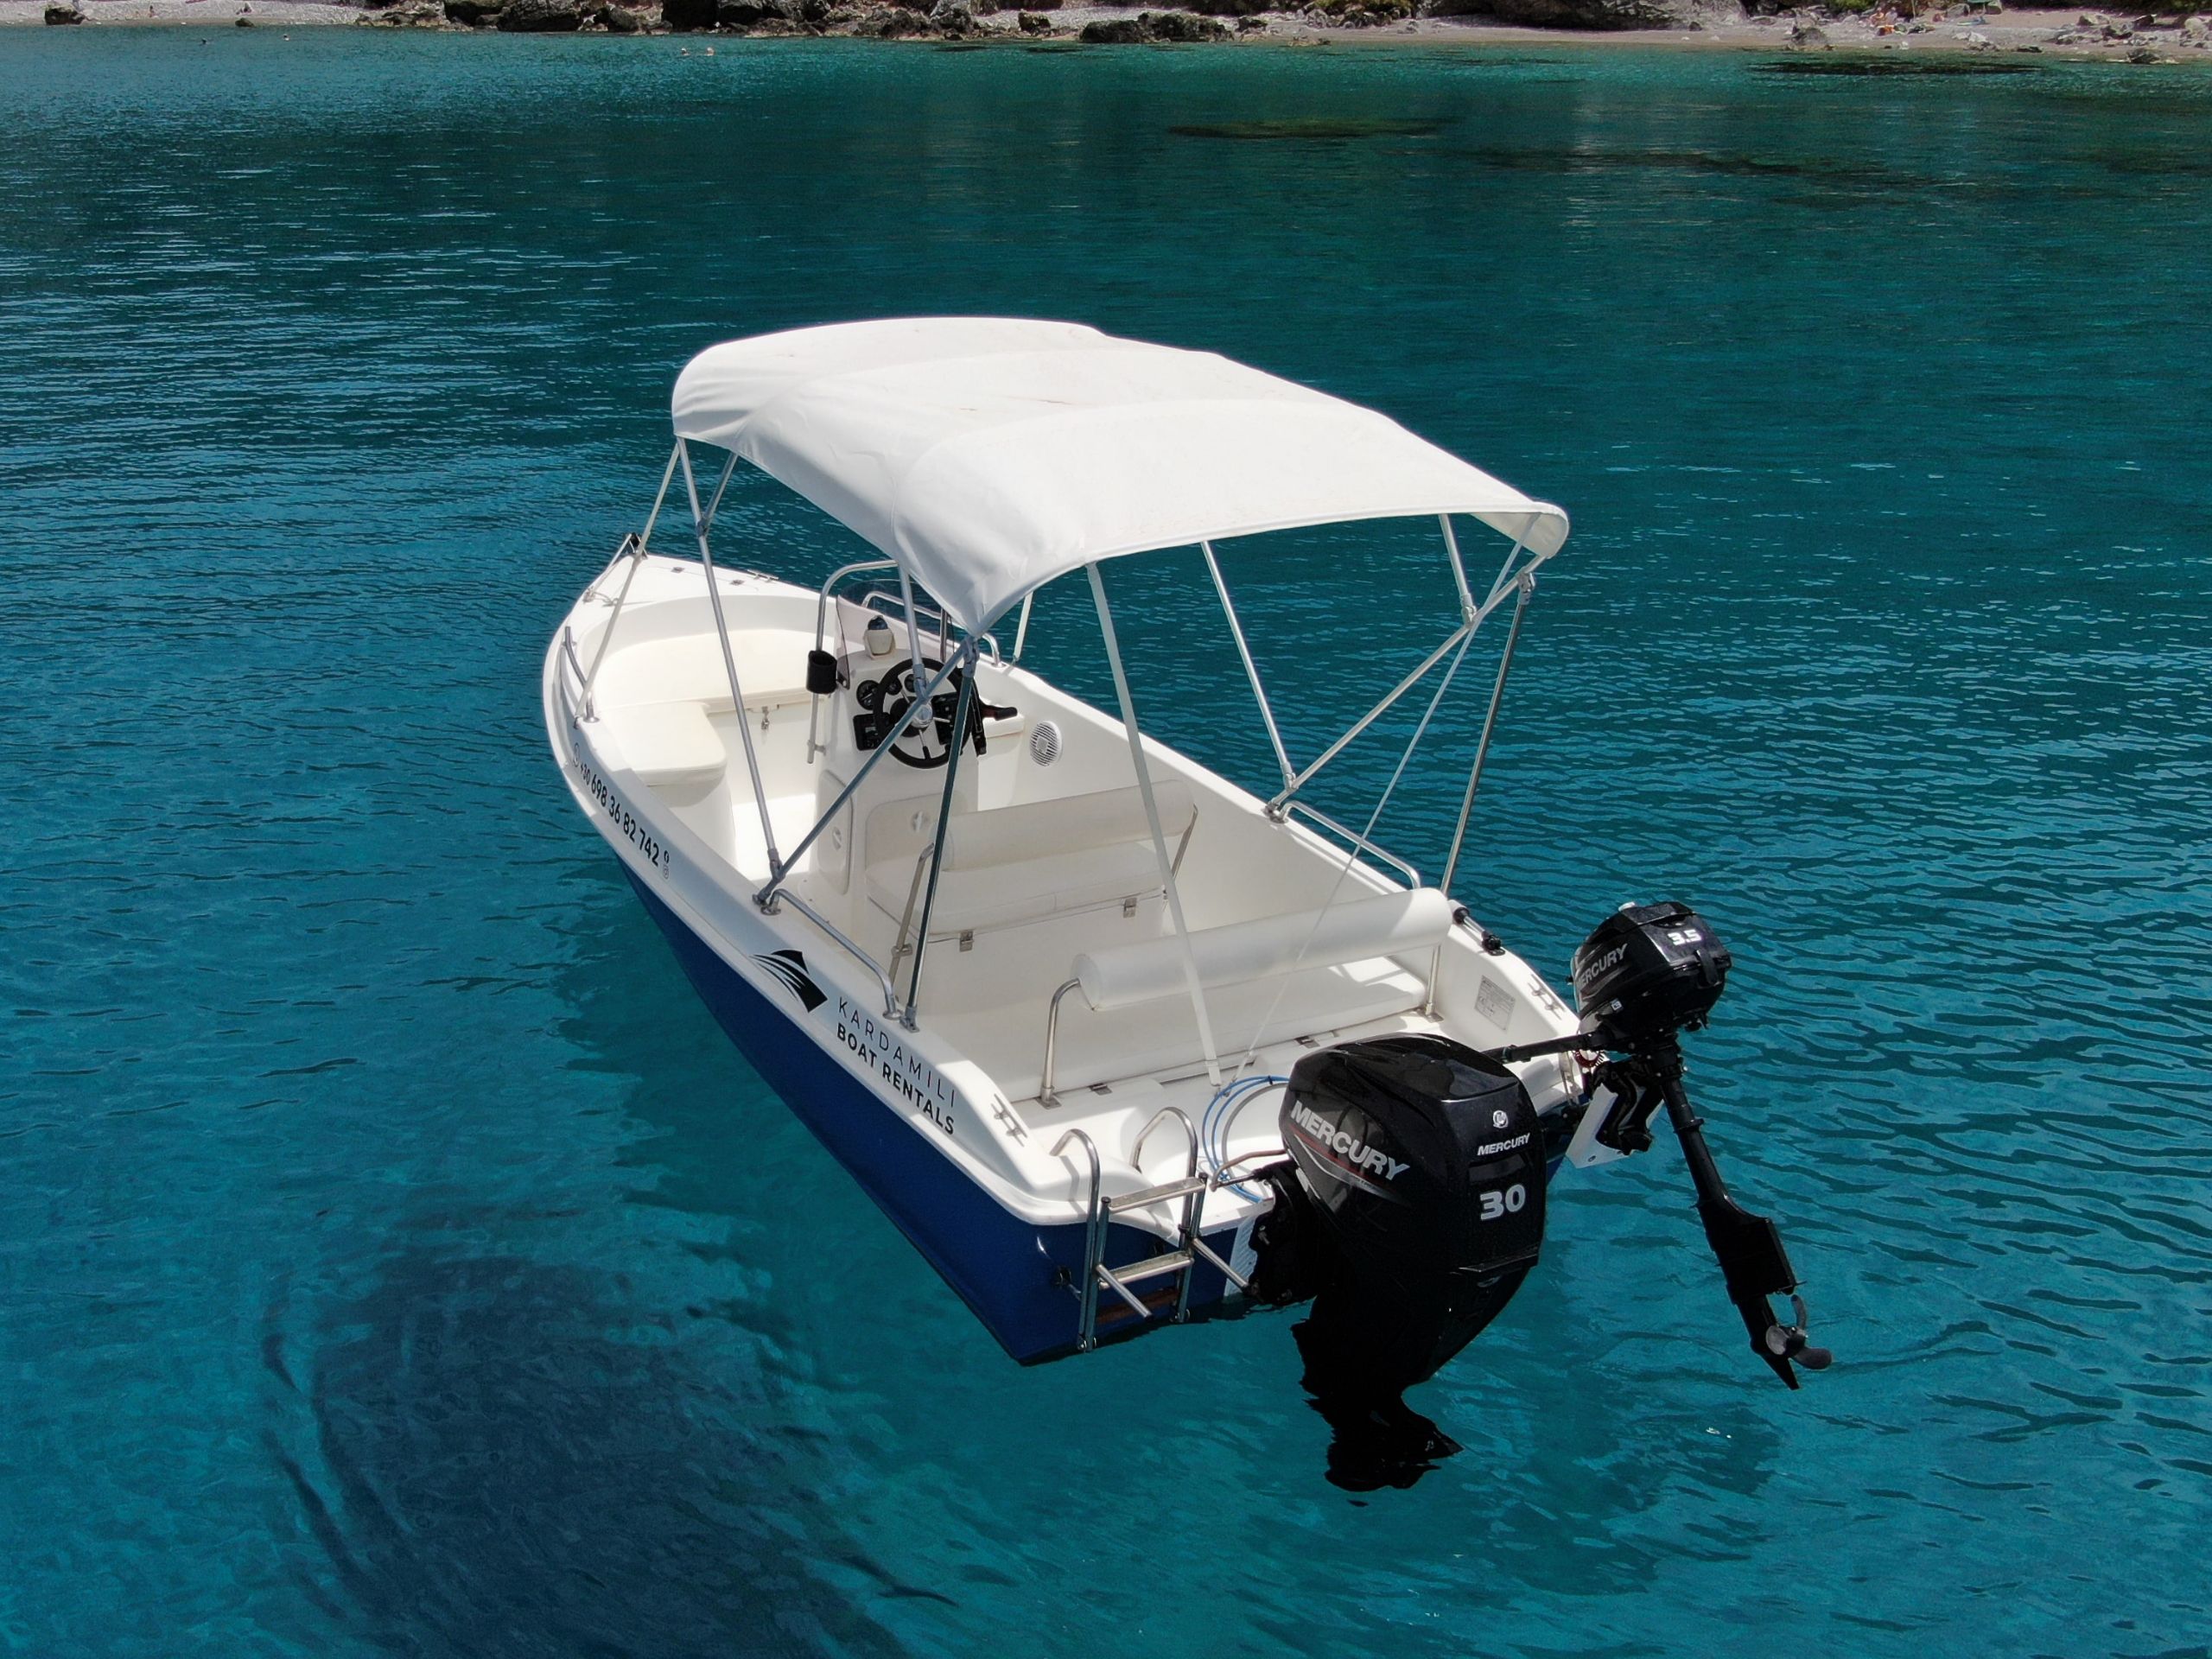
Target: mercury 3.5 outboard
x=1647, y=973
x=1412, y=1203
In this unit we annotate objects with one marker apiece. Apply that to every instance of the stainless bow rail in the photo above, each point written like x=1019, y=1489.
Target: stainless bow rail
x=1192, y=1188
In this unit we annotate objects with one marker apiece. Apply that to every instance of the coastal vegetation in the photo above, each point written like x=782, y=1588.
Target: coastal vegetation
x=1970, y=25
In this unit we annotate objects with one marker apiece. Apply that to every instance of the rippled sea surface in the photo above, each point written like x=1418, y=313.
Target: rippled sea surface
x=395, y=1258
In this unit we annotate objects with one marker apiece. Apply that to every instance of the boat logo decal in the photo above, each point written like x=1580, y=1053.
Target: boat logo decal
x=903, y=1071
x=788, y=969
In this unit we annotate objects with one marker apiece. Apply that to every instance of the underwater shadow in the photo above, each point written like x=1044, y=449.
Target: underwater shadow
x=504, y=1462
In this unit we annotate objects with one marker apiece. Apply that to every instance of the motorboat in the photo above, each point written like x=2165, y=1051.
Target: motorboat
x=1116, y=1041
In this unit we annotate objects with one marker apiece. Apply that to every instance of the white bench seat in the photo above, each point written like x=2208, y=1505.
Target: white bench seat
x=1265, y=980
x=1150, y=1038
x=1027, y=862
x=771, y=664
x=669, y=744
x=1351, y=929
x=1005, y=895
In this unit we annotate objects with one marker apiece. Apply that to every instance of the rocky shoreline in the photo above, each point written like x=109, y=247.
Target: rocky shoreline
x=1971, y=26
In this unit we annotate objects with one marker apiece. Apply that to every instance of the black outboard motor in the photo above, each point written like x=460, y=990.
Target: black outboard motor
x=1647, y=973
x=1411, y=1210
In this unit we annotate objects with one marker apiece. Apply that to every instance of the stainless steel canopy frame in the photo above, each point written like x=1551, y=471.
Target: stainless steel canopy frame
x=1515, y=576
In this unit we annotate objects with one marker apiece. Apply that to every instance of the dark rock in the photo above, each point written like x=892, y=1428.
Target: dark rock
x=626, y=20
x=1033, y=22
x=242, y=21
x=541, y=17
x=64, y=13
x=1809, y=34
x=1149, y=26
x=1231, y=8
x=688, y=13
x=1594, y=14
x=1182, y=26
x=475, y=13
x=1365, y=13
x=954, y=19
x=1042, y=5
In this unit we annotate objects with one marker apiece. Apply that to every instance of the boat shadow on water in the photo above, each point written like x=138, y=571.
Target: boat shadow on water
x=491, y=1456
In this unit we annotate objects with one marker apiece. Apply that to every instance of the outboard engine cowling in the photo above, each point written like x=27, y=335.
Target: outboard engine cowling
x=1411, y=1210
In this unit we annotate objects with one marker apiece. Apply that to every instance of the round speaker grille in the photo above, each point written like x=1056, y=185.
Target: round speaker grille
x=1045, y=743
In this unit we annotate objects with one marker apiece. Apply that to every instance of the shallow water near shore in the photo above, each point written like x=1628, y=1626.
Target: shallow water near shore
x=396, y=1259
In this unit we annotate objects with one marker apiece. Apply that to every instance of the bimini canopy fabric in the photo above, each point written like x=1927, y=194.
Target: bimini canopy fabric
x=988, y=455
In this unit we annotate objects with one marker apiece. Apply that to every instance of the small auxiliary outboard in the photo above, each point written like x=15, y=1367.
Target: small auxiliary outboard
x=1647, y=973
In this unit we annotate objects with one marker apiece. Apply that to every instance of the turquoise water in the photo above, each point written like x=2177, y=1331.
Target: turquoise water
x=396, y=1261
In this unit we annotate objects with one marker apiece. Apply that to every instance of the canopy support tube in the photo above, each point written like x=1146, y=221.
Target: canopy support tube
x=913, y=632
x=1458, y=567
x=1277, y=806
x=962, y=705
x=1152, y=818
x=1022, y=628
x=638, y=548
x=1528, y=587
x=1244, y=654
x=699, y=522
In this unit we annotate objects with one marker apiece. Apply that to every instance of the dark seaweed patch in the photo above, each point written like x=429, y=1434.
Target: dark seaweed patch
x=1672, y=161
x=1298, y=128
x=1892, y=66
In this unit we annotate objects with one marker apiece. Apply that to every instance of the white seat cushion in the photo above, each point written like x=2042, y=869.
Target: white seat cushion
x=1154, y=1037
x=1004, y=894
x=1353, y=929
x=669, y=743
x=1022, y=863
x=771, y=665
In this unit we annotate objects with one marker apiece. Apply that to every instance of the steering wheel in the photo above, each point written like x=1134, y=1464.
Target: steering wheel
x=887, y=714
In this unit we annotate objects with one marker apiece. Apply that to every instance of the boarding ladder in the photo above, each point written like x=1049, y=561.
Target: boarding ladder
x=1190, y=1187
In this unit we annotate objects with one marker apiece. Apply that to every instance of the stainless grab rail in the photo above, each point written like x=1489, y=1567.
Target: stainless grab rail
x=882, y=979
x=576, y=668
x=1046, y=1094
x=1358, y=841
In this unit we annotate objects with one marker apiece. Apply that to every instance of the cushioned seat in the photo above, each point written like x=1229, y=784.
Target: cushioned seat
x=1002, y=895
x=1352, y=929
x=1023, y=864
x=670, y=743
x=771, y=665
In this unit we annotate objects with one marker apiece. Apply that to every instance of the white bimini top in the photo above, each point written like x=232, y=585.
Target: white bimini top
x=988, y=455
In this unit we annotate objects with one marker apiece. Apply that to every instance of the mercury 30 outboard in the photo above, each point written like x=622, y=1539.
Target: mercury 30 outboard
x=1412, y=1206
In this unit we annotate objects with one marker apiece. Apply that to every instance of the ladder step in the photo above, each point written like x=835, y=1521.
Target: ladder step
x=1181, y=1189
x=1153, y=1267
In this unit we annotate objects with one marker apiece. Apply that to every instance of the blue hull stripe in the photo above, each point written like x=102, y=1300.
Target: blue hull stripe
x=1012, y=1273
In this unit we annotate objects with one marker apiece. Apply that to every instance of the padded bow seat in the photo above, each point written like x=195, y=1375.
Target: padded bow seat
x=771, y=665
